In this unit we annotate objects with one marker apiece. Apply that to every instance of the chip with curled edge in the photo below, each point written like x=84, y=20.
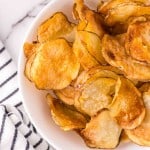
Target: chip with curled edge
x=54, y=66
x=81, y=51
x=65, y=116
x=120, y=11
x=90, y=20
x=55, y=27
x=92, y=43
x=141, y=134
x=127, y=106
x=137, y=41
x=115, y=54
x=68, y=94
x=102, y=131
x=96, y=91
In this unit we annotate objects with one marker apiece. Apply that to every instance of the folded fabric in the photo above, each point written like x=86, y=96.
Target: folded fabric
x=16, y=131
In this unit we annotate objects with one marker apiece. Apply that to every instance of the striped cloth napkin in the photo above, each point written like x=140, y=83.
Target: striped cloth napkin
x=16, y=130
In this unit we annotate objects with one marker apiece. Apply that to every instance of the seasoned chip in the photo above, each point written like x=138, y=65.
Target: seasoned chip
x=141, y=134
x=97, y=87
x=29, y=49
x=127, y=106
x=121, y=11
x=65, y=116
x=28, y=66
x=113, y=51
x=55, y=27
x=96, y=72
x=96, y=95
x=128, y=10
x=87, y=47
x=115, y=54
x=102, y=131
x=138, y=41
x=104, y=69
x=84, y=57
x=92, y=19
x=112, y=4
x=54, y=66
x=68, y=94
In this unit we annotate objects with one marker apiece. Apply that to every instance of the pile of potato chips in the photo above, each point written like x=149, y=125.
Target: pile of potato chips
x=99, y=70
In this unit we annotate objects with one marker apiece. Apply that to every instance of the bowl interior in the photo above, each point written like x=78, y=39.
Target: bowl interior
x=34, y=100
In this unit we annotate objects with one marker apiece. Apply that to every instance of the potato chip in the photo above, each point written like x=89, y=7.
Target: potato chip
x=97, y=87
x=92, y=44
x=121, y=11
x=68, y=94
x=92, y=19
x=106, y=68
x=128, y=10
x=55, y=27
x=102, y=131
x=54, y=66
x=96, y=95
x=29, y=49
x=65, y=116
x=141, y=134
x=127, y=106
x=84, y=57
x=115, y=54
x=112, y=4
x=137, y=41
x=96, y=72
x=28, y=66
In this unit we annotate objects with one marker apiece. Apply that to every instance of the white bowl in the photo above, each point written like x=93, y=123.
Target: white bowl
x=34, y=100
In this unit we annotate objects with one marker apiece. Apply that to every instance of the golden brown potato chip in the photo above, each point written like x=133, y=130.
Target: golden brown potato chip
x=141, y=134
x=29, y=49
x=138, y=41
x=84, y=57
x=99, y=71
x=115, y=54
x=92, y=19
x=112, y=4
x=68, y=94
x=121, y=11
x=102, y=131
x=113, y=51
x=109, y=68
x=55, y=27
x=128, y=10
x=28, y=66
x=65, y=116
x=127, y=106
x=97, y=87
x=92, y=43
x=54, y=66
x=96, y=95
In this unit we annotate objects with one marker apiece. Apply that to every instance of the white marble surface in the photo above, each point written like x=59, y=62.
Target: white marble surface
x=15, y=18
